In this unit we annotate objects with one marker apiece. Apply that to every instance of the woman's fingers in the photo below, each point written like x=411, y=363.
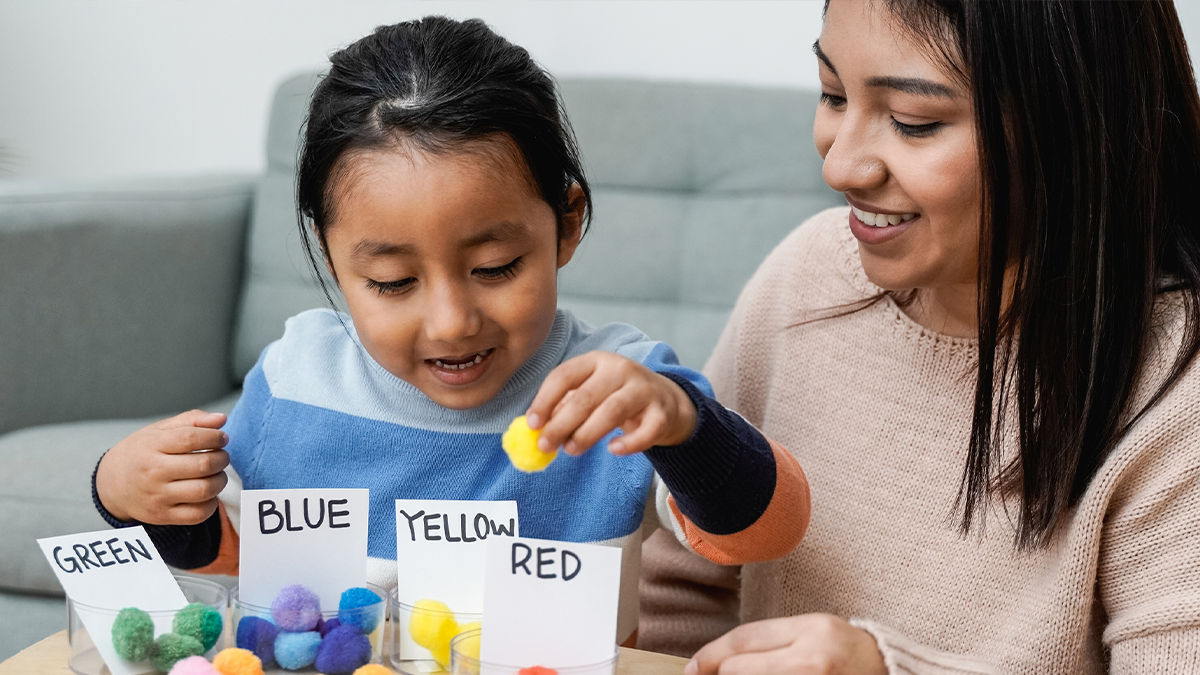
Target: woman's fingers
x=759, y=636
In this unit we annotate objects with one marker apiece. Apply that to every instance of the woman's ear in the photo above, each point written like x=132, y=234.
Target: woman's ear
x=571, y=230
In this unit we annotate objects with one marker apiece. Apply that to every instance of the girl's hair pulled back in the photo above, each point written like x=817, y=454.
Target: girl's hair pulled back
x=440, y=86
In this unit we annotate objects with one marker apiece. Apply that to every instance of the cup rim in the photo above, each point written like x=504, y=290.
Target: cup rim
x=224, y=594
x=565, y=670
x=235, y=600
x=394, y=599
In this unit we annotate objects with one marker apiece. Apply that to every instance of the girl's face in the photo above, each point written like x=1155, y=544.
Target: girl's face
x=897, y=134
x=448, y=265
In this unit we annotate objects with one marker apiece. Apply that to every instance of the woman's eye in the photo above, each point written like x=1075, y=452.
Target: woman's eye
x=833, y=101
x=507, y=271
x=916, y=130
x=390, y=287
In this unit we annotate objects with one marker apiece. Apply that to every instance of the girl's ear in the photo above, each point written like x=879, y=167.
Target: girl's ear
x=572, y=224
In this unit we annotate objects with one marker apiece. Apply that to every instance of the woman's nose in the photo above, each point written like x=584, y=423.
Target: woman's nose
x=451, y=314
x=853, y=160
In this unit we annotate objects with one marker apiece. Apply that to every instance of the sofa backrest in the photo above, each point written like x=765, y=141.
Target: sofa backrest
x=693, y=185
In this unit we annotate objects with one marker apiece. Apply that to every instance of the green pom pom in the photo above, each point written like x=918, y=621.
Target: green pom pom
x=199, y=621
x=172, y=647
x=133, y=634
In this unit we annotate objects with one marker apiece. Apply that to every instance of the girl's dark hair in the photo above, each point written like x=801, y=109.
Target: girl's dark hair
x=1088, y=124
x=441, y=86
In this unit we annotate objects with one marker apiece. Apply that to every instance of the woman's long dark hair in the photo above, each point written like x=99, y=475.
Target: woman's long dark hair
x=438, y=85
x=1088, y=125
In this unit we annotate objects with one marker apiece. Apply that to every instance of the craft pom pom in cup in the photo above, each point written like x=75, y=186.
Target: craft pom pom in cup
x=83, y=657
x=259, y=629
x=464, y=662
x=434, y=627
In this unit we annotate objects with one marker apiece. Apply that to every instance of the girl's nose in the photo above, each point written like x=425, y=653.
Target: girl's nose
x=451, y=315
x=853, y=161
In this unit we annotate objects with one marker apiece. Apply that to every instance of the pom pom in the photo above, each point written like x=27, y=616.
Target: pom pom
x=234, y=661
x=257, y=635
x=172, y=647
x=193, y=665
x=520, y=442
x=343, y=650
x=537, y=670
x=133, y=634
x=296, y=609
x=200, y=621
x=294, y=651
x=373, y=669
x=329, y=625
x=468, y=645
x=359, y=607
x=433, y=626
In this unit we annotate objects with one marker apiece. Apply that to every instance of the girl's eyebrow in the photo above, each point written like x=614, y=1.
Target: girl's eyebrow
x=367, y=248
x=821, y=55
x=501, y=231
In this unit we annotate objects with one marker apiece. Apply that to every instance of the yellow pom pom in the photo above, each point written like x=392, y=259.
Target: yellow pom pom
x=469, y=646
x=520, y=442
x=374, y=669
x=433, y=626
x=234, y=661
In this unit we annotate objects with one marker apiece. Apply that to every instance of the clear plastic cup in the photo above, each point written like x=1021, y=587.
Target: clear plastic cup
x=367, y=615
x=83, y=657
x=462, y=663
x=407, y=656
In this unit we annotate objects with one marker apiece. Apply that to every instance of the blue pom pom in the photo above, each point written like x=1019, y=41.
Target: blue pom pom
x=343, y=650
x=296, y=609
x=294, y=651
x=258, y=635
x=329, y=625
x=360, y=607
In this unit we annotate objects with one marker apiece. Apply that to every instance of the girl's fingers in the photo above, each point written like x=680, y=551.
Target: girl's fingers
x=643, y=436
x=575, y=411
x=194, y=491
x=191, y=514
x=192, y=418
x=563, y=379
x=615, y=410
x=181, y=440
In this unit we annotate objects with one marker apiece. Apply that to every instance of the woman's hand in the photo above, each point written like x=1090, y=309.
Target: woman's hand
x=588, y=396
x=168, y=473
x=810, y=644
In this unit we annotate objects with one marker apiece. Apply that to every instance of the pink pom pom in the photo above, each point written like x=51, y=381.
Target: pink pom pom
x=193, y=665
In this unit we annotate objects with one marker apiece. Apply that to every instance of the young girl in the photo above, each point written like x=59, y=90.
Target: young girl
x=444, y=190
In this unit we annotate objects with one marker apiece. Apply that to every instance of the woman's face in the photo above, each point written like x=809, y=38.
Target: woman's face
x=897, y=134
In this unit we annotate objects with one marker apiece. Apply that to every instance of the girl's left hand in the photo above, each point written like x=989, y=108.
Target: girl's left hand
x=588, y=396
x=810, y=644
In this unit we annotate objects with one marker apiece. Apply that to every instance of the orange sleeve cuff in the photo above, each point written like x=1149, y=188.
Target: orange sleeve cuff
x=228, y=554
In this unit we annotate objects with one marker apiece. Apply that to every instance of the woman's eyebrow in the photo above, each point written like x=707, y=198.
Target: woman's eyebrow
x=914, y=85
x=821, y=55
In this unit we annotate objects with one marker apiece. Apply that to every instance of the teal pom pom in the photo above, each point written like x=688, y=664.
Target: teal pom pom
x=133, y=634
x=361, y=608
x=172, y=647
x=200, y=621
x=294, y=651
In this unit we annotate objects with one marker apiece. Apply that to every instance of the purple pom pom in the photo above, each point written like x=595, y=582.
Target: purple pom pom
x=343, y=650
x=256, y=634
x=329, y=625
x=296, y=609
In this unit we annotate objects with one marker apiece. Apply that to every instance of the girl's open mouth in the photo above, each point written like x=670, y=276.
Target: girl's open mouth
x=459, y=370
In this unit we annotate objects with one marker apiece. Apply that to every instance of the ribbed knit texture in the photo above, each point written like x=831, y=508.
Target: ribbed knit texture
x=878, y=409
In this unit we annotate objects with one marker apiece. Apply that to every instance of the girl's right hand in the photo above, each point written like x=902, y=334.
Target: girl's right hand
x=168, y=473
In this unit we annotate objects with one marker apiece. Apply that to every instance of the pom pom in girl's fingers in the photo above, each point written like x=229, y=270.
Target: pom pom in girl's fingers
x=193, y=665
x=133, y=634
x=234, y=661
x=520, y=442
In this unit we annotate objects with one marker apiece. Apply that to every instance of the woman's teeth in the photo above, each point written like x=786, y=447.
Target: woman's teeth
x=881, y=219
x=460, y=366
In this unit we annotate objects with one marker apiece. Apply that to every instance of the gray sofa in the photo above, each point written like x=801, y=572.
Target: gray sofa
x=127, y=302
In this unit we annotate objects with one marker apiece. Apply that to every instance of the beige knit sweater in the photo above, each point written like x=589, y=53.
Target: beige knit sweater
x=877, y=409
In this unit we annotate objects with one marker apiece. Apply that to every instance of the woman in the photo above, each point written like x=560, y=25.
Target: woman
x=986, y=363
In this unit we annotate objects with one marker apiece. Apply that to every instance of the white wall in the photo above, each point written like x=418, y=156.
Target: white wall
x=118, y=88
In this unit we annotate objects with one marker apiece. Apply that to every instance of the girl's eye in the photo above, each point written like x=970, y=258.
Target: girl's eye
x=507, y=271
x=390, y=287
x=832, y=100
x=916, y=130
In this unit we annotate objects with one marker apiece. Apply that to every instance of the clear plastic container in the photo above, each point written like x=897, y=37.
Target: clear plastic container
x=407, y=656
x=368, y=615
x=83, y=657
x=464, y=664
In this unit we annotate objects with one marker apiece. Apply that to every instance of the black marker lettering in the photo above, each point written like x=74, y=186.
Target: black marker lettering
x=116, y=552
x=287, y=516
x=81, y=552
x=499, y=529
x=71, y=559
x=430, y=527
x=542, y=562
x=134, y=550
x=446, y=527
x=520, y=563
x=482, y=533
x=567, y=576
x=337, y=514
x=412, y=531
x=100, y=554
x=463, y=530
x=320, y=514
x=267, y=508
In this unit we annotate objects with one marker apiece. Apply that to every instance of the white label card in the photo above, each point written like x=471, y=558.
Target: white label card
x=112, y=570
x=441, y=549
x=550, y=603
x=313, y=537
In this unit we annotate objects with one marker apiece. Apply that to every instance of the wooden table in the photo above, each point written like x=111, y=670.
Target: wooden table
x=49, y=657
